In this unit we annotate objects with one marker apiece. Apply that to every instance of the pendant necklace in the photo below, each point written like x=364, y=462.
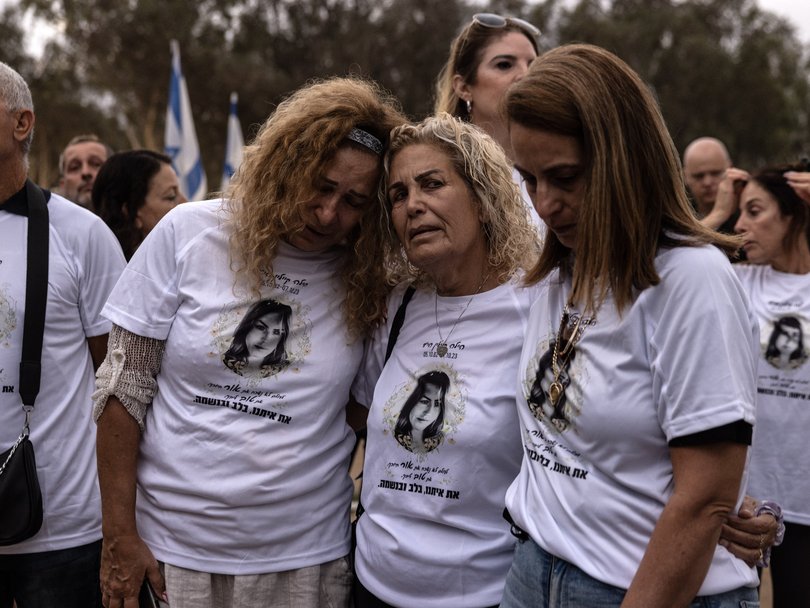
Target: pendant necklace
x=441, y=346
x=560, y=357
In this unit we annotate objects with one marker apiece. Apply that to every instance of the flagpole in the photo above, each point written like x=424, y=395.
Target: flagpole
x=233, y=144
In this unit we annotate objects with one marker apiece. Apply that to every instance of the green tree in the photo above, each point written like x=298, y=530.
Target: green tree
x=724, y=68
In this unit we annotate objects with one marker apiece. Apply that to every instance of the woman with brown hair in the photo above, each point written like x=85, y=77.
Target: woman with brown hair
x=241, y=469
x=645, y=460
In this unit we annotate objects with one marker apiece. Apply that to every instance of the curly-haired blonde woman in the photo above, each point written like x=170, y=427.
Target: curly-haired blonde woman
x=239, y=456
x=443, y=441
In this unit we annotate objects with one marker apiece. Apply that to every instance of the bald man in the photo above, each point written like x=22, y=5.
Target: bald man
x=705, y=161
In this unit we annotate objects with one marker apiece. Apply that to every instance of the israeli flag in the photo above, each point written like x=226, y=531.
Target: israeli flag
x=233, y=145
x=181, y=139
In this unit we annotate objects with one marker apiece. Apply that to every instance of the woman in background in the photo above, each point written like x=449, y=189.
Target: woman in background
x=774, y=224
x=490, y=54
x=132, y=192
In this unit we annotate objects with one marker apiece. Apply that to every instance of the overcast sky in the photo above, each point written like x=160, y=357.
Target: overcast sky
x=796, y=11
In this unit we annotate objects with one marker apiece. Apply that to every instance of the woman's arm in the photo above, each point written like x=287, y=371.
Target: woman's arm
x=125, y=385
x=706, y=485
x=125, y=558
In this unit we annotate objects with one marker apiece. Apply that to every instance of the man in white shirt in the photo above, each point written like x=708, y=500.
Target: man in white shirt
x=59, y=565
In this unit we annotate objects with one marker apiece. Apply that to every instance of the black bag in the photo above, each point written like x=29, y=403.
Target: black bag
x=20, y=494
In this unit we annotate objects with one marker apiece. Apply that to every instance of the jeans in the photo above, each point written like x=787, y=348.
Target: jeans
x=66, y=578
x=537, y=579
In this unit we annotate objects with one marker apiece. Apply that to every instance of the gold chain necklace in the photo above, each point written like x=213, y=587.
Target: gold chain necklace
x=441, y=346
x=559, y=358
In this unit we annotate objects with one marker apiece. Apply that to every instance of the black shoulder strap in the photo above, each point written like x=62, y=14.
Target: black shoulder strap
x=36, y=294
x=399, y=318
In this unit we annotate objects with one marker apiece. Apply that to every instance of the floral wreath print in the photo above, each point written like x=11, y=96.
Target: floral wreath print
x=785, y=348
x=259, y=339
x=8, y=317
x=426, y=410
x=539, y=377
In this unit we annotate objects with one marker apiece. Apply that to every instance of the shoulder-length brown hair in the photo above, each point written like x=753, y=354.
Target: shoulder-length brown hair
x=277, y=177
x=634, y=200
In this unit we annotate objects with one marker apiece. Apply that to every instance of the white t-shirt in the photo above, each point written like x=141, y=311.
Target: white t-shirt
x=433, y=534
x=243, y=465
x=84, y=261
x=596, y=471
x=780, y=458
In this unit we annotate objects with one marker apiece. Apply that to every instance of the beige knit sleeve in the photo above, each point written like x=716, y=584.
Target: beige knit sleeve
x=128, y=372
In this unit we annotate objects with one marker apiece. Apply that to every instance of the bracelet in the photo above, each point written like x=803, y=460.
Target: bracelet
x=771, y=508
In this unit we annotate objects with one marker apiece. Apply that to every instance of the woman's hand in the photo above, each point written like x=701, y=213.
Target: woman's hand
x=728, y=198
x=800, y=182
x=125, y=562
x=746, y=536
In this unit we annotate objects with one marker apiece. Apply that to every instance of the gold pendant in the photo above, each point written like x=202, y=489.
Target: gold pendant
x=441, y=349
x=555, y=391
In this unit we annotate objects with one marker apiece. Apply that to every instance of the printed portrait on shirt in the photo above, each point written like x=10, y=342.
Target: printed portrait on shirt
x=785, y=347
x=256, y=340
x=425, y=413
x=540, y=377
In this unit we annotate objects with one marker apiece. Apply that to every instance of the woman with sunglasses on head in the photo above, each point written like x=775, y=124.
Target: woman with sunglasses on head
x=238, y=327
x=489, y=55
x=624, y=490
x=774, y=224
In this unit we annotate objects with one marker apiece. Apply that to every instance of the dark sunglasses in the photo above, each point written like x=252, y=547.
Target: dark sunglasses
x=495, y=21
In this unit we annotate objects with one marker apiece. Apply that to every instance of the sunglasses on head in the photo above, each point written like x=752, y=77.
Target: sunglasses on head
x=496, y=21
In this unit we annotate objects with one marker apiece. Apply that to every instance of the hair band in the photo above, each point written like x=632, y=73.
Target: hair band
x=366, y=139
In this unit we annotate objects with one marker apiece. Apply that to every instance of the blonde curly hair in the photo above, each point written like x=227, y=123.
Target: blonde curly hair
x=277, y=178
x=512, y=241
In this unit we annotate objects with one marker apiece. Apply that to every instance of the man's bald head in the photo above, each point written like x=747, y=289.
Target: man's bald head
x=705, y=161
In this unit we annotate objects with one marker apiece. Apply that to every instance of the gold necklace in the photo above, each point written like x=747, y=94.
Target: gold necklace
x=441, y=346
x=557, y=389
